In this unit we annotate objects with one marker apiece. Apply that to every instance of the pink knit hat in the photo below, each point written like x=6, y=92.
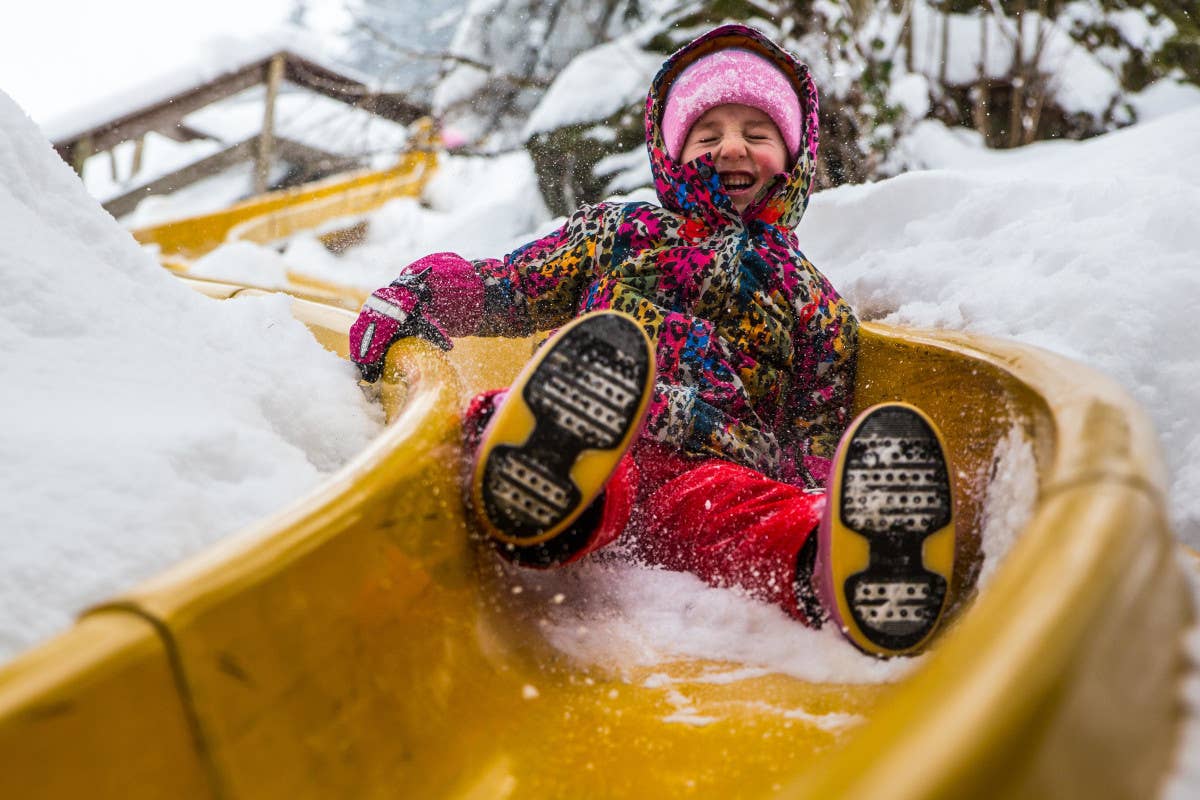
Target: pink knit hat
x=732, y=75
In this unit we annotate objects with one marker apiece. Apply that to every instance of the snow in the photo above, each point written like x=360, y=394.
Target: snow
x=476, y=224
x=1164, y=97
x=912, y=94
x=618, y=615
x=108, y=177
x=576, y=96
x=142, y=421
x=629, y=170
x=206, y=196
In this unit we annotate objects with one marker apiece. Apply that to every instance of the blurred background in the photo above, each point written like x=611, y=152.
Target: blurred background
x=561, y=80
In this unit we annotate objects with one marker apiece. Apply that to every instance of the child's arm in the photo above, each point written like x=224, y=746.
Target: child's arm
x=444, y=295
x=540, y=285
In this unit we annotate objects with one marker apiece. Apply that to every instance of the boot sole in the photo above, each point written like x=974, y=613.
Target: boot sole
x=566, y=423
x=890, y=541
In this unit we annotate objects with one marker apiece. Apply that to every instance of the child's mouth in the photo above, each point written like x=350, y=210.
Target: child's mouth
x=736, y=182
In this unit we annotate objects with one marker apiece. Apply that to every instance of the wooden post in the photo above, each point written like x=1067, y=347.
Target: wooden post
x=1017, y=77
x=943, y=65
x=139, y=149
x=266, y=137
x=982, y=101
x=81, y=151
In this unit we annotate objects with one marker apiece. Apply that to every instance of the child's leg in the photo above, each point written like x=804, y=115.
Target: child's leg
x=887, y=544
x=732, y=526
x=599, y=524
x=555, y=441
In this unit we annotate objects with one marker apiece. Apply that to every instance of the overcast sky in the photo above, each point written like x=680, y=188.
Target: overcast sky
x=55, y=57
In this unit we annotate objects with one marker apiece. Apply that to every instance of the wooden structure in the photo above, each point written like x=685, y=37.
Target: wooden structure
x=165, y=115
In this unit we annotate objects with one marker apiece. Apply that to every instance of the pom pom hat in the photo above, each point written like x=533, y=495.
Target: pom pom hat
x=731, y=75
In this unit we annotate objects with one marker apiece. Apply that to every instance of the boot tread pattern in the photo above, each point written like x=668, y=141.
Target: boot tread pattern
x=524, y=488
x=585, y=394
x=898, y=608
x=592, y=406
x=895, y=492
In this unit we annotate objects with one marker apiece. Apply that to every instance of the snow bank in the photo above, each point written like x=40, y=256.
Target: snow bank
x=141, y=420
x=1088, y=249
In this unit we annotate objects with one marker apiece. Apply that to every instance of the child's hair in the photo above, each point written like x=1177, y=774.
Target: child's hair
x=732, y=75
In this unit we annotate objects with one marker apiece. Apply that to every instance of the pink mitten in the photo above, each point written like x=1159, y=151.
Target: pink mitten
x=436, y=297
x=391, y=313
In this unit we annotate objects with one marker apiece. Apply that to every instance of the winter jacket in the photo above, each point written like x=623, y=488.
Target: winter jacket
x=755, y=349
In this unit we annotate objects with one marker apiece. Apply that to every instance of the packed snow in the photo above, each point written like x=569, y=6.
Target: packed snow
x=142, y=421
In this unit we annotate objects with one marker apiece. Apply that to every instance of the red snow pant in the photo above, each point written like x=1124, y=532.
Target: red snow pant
x=723, y=522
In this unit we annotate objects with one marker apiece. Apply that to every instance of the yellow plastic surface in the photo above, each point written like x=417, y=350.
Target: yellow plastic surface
x=98, y=713
x=359, y=644
x=279, y=214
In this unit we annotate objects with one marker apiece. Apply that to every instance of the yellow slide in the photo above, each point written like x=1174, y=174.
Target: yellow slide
x=359, y=644
x=275, y=216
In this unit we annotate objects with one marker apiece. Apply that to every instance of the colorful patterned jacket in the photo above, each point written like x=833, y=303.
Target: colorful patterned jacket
x=755, y=348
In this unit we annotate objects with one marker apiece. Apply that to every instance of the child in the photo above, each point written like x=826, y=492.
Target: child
x=699, y=424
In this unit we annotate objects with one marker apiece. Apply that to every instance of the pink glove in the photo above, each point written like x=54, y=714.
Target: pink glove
x=396, y=311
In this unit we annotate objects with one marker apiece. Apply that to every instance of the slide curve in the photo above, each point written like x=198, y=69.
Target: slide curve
x=358, y=643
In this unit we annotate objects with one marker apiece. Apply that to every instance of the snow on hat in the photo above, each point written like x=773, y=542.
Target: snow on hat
x=732, y=75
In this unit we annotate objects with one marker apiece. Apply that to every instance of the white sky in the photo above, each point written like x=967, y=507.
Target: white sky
x=55, y=59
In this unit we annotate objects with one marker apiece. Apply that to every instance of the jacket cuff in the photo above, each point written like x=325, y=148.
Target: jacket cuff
x=457, y=292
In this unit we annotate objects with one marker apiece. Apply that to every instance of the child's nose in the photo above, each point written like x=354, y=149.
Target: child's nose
x=733, y=147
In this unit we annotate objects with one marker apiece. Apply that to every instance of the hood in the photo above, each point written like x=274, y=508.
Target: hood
x=693, y=188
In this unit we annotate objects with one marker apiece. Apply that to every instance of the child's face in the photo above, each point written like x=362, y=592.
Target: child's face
x=745, y=145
